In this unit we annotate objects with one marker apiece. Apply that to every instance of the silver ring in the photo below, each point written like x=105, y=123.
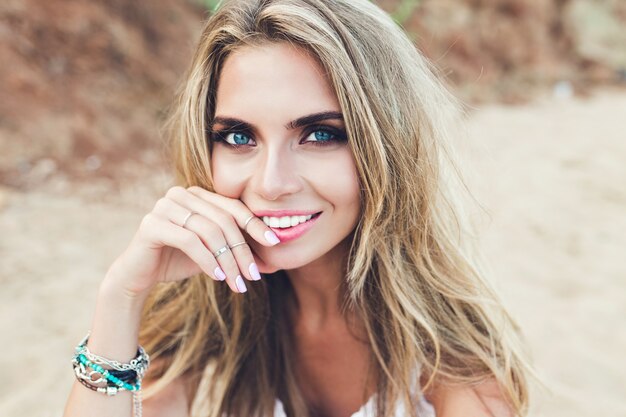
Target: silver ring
x=245, y=225
x=238, y=244
x=220, y=251
x=191, y=213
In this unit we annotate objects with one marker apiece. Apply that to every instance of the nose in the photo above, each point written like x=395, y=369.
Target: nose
x=277, y=174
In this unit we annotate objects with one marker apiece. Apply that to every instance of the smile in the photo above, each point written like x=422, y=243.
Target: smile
x=286, y=221
x=291, y=227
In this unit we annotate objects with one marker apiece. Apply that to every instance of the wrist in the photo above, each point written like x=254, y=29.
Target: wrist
x=113, y=293
x=115, y=327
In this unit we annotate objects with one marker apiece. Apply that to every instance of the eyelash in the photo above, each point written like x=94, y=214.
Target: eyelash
x=337, y=135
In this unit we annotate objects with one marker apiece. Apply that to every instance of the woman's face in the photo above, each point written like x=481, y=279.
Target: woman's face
x=267, y=154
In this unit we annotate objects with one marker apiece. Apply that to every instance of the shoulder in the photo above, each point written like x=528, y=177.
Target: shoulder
x=485, y=399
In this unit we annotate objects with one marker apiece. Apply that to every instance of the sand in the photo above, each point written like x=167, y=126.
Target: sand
x=552, y=175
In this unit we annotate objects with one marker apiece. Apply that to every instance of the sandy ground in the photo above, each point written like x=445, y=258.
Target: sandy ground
x=552, y=176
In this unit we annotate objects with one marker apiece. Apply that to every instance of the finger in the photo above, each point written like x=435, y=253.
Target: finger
x=212, y=236
x=166, y=233
x=243, y=260
x=256, y=228
x=181, y=216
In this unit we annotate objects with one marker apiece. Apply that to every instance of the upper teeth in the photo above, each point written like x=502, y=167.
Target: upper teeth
x=285, y=221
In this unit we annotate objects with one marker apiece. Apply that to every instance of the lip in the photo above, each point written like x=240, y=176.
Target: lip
x=291, y=233
x=282, y=213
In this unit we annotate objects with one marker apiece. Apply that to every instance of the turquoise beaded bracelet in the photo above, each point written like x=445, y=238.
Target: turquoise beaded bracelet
x=119, y=378
x=111, y=378
x=123, y=376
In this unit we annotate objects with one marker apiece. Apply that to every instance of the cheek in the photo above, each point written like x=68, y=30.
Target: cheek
x=224, y=181
x=351, y=196
x=339, y=183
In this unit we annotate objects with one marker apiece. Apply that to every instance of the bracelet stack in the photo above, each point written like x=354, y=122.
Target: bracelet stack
x=91, y=372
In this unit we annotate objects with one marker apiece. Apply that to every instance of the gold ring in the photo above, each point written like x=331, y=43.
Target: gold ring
x=191, y=213
x=238, y=244
x=220, y=251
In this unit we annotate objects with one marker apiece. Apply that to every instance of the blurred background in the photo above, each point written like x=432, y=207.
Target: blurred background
x=84, y=86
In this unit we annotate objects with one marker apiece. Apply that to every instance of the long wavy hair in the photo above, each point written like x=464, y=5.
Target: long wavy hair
x=413, y=277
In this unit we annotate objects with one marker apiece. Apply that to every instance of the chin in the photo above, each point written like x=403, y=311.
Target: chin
x=271, y=266
x=269, y=263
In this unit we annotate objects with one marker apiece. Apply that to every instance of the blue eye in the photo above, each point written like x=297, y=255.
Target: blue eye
x=238, y=138
x=322, y=135
x=325, y=136
x=316, y=136
x=232, y=138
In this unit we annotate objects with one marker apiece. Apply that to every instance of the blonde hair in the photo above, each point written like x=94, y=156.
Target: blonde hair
x=413, y=277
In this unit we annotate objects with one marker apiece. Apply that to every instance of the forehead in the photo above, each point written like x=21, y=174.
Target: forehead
x=273, y=78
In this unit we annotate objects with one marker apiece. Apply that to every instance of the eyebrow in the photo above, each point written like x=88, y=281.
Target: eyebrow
x=294, y=124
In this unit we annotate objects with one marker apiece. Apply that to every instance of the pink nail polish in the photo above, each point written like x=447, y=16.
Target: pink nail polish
x=271, y=237
x=220, y=274
x=241, y=286
x=254, y=271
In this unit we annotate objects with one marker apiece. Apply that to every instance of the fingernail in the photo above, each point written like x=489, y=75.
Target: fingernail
x=220, y=274
x=271, y=237
x=254, y=271
x=240, y=284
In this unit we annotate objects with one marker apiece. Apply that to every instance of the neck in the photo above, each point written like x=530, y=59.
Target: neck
x=318, y=291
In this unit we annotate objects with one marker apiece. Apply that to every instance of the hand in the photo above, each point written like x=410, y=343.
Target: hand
x=164, y=251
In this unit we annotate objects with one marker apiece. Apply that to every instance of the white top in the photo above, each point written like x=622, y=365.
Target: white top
x=424, y=409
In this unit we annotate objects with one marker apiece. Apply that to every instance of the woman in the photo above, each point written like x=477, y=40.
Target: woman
x=309, y=140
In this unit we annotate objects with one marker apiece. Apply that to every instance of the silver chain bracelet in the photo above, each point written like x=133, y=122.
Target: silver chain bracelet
x=138, y=364
x=121, y=376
